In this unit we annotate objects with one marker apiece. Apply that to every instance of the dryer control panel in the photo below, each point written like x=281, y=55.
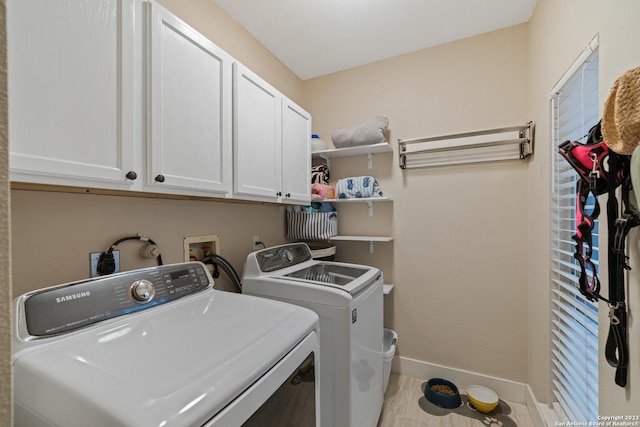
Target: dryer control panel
x=68, y=307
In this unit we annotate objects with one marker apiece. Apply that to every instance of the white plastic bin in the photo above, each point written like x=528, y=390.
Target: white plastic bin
x=389, y=342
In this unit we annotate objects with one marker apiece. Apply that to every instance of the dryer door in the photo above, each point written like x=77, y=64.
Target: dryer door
x=287, y=395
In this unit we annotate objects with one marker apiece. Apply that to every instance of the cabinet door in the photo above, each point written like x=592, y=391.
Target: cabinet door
x=296, y=153
x=71, y=91
x=257, y=136
x=190, y=108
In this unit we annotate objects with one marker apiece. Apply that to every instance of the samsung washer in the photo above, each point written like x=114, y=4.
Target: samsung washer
x=348, y=298
x=160, y=347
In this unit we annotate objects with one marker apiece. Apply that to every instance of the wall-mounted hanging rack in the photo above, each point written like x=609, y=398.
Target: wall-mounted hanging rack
x=508, y=143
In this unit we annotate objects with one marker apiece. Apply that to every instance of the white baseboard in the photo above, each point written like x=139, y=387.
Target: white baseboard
x=541, y=414
x=508, y=390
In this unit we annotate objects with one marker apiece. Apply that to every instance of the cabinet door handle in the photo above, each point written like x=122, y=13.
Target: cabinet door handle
x=279, y=194
x=159, y=178
x=131, y=175
x=288, y=195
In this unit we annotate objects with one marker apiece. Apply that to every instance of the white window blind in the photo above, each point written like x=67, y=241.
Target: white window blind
x=574, y=320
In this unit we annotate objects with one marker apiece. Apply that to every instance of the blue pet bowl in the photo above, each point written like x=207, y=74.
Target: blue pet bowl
x=442, y=400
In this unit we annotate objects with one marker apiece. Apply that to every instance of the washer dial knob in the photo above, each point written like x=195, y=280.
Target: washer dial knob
x=142, y=291
x=288, y=256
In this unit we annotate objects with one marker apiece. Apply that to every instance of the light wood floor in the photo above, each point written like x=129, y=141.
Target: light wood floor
x=402, y=408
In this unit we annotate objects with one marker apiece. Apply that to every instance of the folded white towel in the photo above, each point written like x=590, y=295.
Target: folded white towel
x=357, y=187
x=371, y=132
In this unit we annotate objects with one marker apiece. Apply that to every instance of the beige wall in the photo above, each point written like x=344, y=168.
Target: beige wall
x=55, y=232
x=5, y=255
x=459, y=258
x=559, y=31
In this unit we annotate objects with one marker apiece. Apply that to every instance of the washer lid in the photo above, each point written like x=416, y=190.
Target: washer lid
x=334, y=274
x=348, y=277
x=173, y=365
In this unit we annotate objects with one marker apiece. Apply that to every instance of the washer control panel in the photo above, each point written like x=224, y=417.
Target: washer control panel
x=279, y=257
x=68, y=307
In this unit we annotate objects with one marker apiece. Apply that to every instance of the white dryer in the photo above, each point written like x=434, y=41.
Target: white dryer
x=348, y=298
x=161, y=347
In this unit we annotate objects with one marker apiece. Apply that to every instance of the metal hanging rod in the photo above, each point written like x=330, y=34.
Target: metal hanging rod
x=507, y=143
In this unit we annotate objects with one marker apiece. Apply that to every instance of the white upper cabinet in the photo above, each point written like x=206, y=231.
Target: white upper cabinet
x=257, y=135
x=123, y=95
x=296, y=153
x=190, y=115
x=271, y=142
x=71, y=91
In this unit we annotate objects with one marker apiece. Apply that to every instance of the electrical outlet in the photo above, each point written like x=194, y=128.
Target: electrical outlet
x=257, y=244
x=93, y=264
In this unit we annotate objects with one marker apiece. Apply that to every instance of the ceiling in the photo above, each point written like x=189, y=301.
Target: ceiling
x=318, y=37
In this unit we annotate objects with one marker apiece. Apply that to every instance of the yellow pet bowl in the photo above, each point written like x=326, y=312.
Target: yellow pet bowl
x=482, y=398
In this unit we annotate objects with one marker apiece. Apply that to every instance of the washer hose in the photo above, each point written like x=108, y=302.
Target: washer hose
x=227, y=267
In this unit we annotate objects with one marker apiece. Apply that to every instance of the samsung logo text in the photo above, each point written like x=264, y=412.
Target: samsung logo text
x=73, y=297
